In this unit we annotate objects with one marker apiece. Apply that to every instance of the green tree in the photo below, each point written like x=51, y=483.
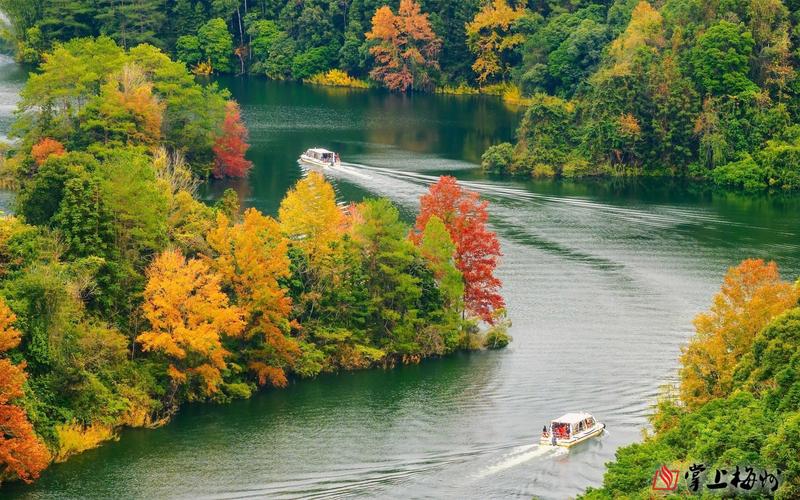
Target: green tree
x=84, y=219
x=63, y=20
x=394, y=291
x=186, y=17
x=546, y=134
x=439, y=250
x=131, y=22
x=216, y=43
x=720, y=59
x=40, y=198
x=498, y=158
x=188, y=50
x=311, y=62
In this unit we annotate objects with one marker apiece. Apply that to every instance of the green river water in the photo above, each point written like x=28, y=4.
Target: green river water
x=602, y=280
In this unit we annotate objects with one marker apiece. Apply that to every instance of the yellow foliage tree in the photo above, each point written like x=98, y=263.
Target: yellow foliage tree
x=188, y=315
x=491, y=38
x=751, y=295
x=310, y=217
x=251, y=257
x=644, y=30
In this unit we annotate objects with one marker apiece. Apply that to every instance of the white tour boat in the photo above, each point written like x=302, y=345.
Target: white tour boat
x=571, y=429
x=319, y=157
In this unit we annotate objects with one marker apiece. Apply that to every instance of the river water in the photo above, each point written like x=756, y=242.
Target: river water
x=602, y=280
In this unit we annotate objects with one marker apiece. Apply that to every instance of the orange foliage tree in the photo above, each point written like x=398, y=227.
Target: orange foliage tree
x=231, y=146
x=477, y=249
x=131, y=90
x=188, y=314
x=751, y=295
x=22, y=454
x=405, y=47
x=42, y=150
x=251, y=257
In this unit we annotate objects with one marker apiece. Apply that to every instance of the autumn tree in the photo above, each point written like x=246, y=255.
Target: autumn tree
x=231, y=146
x=493, y=40
x=404, y=46
x=251, y=258
x=477, y=249
x=46, y=147
x=188, y=314
x=751, y=295
x=309, y=216
x=126, y=111
x=22, y=454
x=644, y=32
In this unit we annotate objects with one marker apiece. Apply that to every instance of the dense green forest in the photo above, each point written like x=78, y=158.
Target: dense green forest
x=705, y=89
x=738, y=401
x=122, y=296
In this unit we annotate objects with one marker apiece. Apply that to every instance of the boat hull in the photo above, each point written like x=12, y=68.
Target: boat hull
x=567, y=443
x=313, y=162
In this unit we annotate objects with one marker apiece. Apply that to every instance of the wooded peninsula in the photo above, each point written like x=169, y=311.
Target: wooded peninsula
x=122, y=296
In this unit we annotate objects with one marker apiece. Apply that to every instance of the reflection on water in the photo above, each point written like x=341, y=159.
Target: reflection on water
x=285, y=119
x=601, y=279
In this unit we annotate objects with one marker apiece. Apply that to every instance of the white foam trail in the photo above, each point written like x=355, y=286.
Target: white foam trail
x=353, y=171
x=522, y=454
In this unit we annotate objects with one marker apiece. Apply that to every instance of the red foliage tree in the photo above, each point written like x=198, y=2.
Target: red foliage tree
x=477, y=249
x=44, y=148
x=405, y=47
x=22, y=455
x=230, y=147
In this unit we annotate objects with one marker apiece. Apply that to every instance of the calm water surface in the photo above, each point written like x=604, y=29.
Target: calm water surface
x=601, y=279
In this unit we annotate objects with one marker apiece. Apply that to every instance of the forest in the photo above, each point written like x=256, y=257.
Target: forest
x=122, y=296
x=706, y=90
x=738, y=399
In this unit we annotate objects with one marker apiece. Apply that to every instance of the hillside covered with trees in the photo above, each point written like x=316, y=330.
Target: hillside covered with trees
x=738, y=400
x=706, y=89
x=122, y=296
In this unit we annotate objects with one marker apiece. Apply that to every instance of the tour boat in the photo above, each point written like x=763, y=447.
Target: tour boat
x=571, y=429
x=319, y=157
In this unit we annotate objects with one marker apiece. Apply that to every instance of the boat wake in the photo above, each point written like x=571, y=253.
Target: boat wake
x=520, y=455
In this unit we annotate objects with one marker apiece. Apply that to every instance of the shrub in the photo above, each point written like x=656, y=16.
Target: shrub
x=337, y=78
x=311, y=62
x=496, y=338
x=75, y=438
x=543, y=170
x=497, y=159
x=745, y=173
x=577, y=167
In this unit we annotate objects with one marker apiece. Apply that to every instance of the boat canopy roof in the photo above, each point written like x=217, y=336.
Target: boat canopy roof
x=320, y=151
x=572, y=418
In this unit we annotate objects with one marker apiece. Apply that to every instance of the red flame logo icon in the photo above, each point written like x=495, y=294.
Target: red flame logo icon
x=665, y=479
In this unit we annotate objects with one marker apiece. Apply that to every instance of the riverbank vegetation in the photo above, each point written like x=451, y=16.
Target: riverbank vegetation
x=122, y=296
x=738, y=400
